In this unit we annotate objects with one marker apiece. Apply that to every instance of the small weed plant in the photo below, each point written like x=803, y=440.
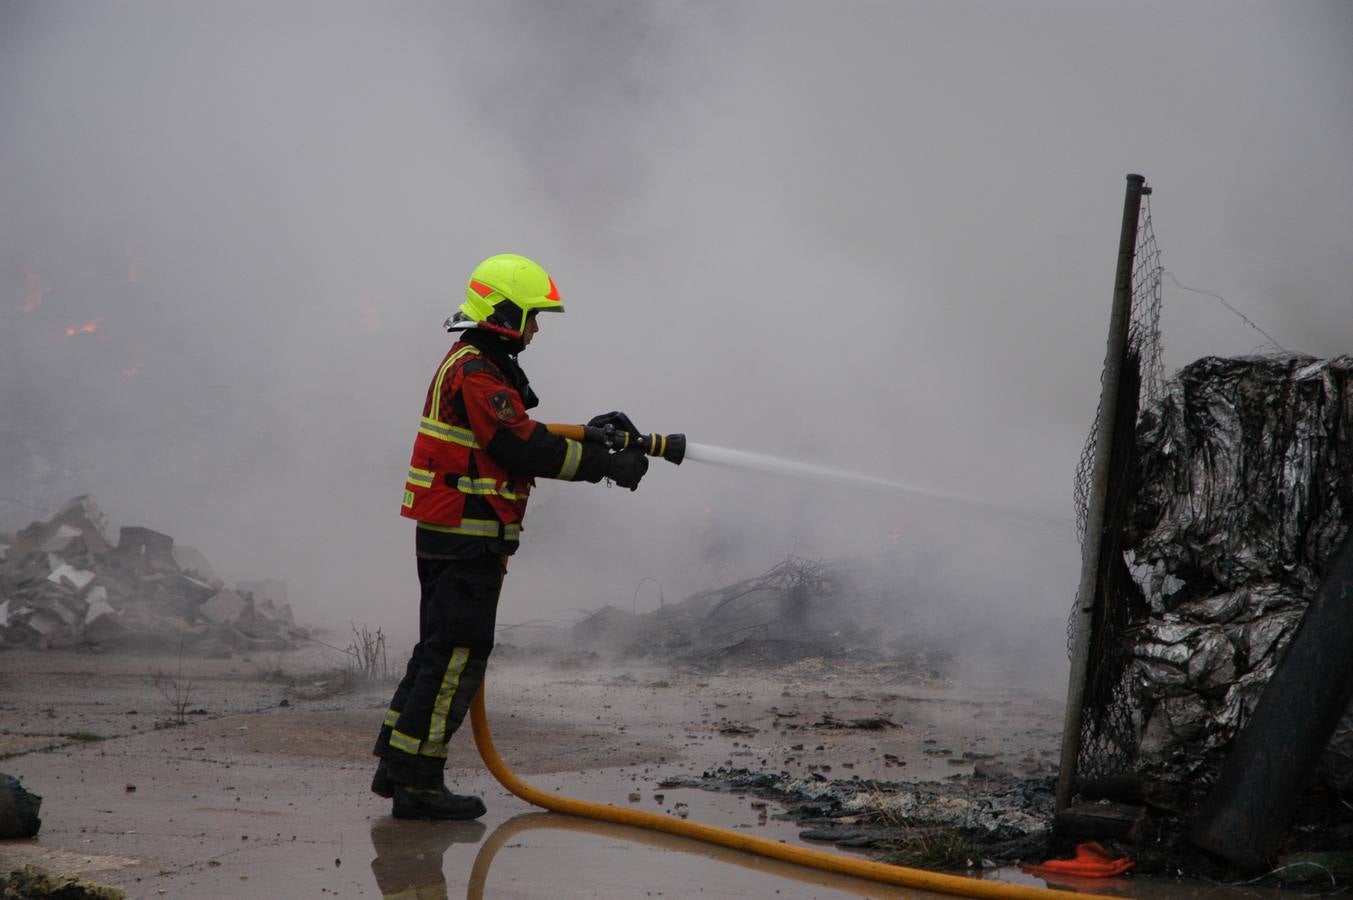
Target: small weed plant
x=937, y=849
x=367, y=653
x=176, y=690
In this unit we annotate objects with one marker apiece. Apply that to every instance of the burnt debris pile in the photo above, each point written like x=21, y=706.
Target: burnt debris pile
x=64, y=583
x=1243, y=493
x=797, y=609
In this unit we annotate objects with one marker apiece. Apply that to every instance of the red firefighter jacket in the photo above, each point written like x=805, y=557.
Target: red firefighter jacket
x=477, y=452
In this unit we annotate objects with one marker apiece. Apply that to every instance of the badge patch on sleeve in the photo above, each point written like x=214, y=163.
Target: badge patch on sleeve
x=503, y=406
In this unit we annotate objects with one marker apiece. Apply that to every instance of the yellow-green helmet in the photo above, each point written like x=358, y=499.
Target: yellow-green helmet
x=502, y=292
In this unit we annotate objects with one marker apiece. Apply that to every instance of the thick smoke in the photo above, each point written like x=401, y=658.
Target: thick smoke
x=879, y=238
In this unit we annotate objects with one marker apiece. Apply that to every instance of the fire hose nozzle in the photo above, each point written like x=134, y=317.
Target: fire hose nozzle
x=671, y=447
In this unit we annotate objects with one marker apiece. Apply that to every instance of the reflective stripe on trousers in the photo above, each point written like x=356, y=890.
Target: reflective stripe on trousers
x=435, y=742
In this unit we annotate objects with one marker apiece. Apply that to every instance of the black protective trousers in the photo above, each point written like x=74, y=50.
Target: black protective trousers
x=456, y=617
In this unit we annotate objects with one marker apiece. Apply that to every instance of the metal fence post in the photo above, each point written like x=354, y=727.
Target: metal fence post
x=1089, y=591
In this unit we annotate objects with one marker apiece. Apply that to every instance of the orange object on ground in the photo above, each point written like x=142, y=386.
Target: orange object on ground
x=1091, y=861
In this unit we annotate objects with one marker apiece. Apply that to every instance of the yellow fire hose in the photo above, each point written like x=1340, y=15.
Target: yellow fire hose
x=672, y=447
x=505, y=836
x=817, y=859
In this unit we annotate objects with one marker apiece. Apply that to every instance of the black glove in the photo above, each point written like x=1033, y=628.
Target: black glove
x=618, y=419
x=627, y=467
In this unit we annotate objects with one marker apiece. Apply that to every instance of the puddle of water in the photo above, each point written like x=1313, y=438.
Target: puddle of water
x=549, y=855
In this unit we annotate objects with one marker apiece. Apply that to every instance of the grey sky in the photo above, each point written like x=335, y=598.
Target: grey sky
x=871, y=235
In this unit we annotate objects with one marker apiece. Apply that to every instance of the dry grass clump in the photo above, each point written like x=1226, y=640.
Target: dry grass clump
x=940, y=849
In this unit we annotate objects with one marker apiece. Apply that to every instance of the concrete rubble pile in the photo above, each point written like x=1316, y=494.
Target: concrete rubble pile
x=1245, y=490
x=63, y=583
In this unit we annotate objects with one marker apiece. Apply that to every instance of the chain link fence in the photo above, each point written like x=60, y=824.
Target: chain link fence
x=1111, y=719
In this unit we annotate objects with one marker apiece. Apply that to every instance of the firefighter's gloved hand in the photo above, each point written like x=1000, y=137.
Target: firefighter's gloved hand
x=618, y=419
x=627, y=467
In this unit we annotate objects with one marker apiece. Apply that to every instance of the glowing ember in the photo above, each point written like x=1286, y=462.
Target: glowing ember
x=87, y=328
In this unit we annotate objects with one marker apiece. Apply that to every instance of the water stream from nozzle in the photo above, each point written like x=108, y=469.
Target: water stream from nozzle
x=743, y=459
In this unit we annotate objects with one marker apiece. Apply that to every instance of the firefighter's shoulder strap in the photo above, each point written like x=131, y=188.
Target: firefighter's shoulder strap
x=478, y=363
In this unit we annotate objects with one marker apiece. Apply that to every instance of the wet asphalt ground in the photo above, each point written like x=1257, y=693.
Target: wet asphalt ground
x=263, y=790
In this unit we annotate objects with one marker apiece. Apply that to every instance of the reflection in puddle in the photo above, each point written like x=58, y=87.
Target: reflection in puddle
x=409, y=855
x=410, y=864
x=761, y=866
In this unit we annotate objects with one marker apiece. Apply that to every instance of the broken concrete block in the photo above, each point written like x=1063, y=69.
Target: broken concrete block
x=69, y=575
x=256, y=626
x=106, y=629
x=45, y=623
x=103, y=623
x=145, y=540
x=191, y=560
x=144, y=551
x=272, y=589
x=80, y=515
x=84, y=514
x=269, y=609
x=60, y=539
x=263, y=644
x=181, y=592
x=98, y=605
x=225, y=608
x=57, y=608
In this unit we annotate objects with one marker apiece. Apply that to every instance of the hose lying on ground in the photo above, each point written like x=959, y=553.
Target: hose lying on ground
x=769, y=869
x=817, y=859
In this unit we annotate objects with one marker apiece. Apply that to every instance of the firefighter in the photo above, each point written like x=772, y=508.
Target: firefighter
x=475, y=458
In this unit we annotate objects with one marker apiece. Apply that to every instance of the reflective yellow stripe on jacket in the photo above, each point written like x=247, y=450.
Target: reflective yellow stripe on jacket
x=424, y=479
x=436, y=405
x=452, y=434
x=572, y=457
x=477, y=528
x=484, y=487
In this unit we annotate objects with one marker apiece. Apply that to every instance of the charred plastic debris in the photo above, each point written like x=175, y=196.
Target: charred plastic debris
x=64, y=584
x=1241, y=497
x=798, y=609
x=992, y=819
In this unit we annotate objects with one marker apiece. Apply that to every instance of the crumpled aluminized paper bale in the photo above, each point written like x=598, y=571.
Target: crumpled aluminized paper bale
x=1245, y=489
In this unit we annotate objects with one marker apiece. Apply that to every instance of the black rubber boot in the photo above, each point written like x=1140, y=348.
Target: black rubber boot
x=435, y=803
x=381, y=785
